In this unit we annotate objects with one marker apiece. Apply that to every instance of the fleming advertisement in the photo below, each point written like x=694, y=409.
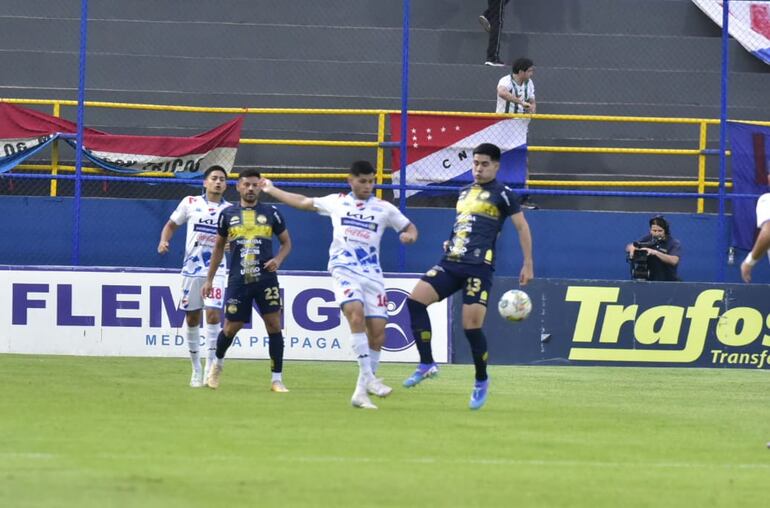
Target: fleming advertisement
x=135, y=313
x=617, y=323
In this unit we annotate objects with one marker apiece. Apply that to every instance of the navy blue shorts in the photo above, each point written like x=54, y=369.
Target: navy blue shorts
x=238, y=299
x=447, y=277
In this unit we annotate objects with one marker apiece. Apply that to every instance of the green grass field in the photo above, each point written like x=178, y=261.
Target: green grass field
x=98, y=432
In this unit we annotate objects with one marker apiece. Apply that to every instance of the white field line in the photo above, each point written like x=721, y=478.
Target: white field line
x=525, y=462
x=437, y=461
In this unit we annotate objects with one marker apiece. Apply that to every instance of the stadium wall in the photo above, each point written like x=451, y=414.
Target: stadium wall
x=567, y=244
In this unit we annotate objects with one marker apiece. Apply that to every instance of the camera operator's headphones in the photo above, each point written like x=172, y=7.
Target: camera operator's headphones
x=661, y=221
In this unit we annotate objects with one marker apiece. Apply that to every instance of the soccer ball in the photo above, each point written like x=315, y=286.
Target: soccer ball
x=514, y=305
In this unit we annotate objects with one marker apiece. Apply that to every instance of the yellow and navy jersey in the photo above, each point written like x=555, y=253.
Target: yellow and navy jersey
x=249, y=231
x=481, y=212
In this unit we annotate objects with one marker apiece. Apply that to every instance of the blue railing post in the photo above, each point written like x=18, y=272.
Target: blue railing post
x=81, y=119
x=404, y=120
x=722, y=238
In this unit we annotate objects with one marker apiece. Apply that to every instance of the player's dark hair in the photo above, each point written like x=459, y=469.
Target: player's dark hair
x=359, y=168
x=661, y=221
x=211, y=169
x=493, y=151
x=521, y=64
x=248, y=172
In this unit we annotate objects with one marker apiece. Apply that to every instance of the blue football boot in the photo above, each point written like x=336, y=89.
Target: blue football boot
x=479, y=394
x=424, y=370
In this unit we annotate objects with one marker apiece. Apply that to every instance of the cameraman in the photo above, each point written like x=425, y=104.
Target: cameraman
x=657, y=253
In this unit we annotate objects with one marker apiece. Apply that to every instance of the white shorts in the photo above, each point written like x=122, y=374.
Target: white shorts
x=349, y=287
x=191, y=294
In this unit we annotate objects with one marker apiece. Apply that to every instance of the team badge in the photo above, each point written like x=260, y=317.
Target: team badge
x=484, y=195
x=232, y=308
x=483, y=297
x=261, y=219
x=431, y=273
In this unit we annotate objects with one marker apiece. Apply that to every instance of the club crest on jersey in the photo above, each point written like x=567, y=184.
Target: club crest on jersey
x=484, y=195
x=261, y=219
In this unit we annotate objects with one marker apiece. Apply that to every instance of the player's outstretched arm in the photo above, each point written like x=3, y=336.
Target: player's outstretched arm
x=760, y=248
x=525, y=240
x=165, y=236
x=216, y=259
x=408, y=234
x=290, y=198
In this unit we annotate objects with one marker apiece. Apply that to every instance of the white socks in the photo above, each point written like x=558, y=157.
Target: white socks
x=276, y=377
x=212, y=332
x=193, y=343
x=374, y=360
x=361, y=349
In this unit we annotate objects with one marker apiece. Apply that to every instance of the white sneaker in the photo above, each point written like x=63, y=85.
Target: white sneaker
x=361, y=399
x=196, y=380
x=378, y=388
x=212, y=381
x=278, y=387
x=207, y=371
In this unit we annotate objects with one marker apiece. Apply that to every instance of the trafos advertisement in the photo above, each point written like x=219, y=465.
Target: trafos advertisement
x=135, y=313
x=673, y=324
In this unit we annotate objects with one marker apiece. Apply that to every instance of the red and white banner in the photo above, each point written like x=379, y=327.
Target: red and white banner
x=749, y=23
x=185, y=157
x=24, y=131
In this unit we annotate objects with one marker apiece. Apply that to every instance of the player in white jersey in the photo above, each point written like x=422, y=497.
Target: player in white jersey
x=359, y=220
x=762, y=243
x=200, y=213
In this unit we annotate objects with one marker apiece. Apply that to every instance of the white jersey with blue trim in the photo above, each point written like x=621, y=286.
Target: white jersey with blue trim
x=201, y=217
x=358, y=228
x=763, y=213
